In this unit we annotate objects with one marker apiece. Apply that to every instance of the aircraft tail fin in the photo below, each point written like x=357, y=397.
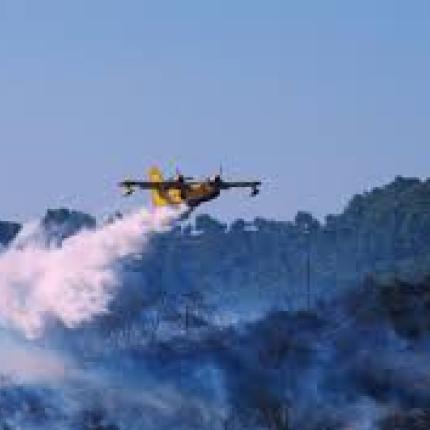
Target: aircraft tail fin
x=155, y=175
x=163, y=196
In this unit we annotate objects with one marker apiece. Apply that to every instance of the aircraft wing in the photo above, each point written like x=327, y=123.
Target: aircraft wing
x=241, y=184
x=254, y=185
x=150, y=185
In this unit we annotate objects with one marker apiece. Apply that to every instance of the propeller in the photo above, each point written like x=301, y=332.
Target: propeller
x=181, y=177
x=218, y=176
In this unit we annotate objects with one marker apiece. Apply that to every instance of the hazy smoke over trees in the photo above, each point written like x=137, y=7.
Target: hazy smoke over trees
x=144, y=324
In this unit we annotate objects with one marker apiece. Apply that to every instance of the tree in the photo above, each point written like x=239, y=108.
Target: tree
x=305, y=221
x=238, y=226
x=207, y=224
x=196, y=310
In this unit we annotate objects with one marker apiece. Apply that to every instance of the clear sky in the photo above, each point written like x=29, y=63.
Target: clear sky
x=319, y=99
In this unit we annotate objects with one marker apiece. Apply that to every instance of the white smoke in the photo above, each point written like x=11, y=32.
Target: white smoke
x=75, y=281
x=25, y=362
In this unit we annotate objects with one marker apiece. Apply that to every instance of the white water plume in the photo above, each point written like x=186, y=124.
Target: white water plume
x=73, y=282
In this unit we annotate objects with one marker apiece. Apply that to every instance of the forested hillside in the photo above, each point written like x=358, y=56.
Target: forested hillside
x=382, y=234
x=261, y=325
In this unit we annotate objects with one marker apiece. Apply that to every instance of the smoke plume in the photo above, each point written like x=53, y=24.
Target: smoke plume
x=75, y=281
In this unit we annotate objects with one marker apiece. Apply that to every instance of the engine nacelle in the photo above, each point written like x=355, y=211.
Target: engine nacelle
x=255, y=191
x=127, y=190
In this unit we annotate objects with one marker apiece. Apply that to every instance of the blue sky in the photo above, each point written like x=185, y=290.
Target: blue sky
x=319, y=99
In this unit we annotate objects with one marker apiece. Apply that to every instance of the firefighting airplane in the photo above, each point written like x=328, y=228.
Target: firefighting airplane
x=184, y=190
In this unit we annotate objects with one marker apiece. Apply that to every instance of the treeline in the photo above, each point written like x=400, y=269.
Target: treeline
x=382, y=234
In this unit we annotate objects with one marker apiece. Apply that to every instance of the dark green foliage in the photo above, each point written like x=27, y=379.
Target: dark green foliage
x=209, y=225
x=62, y=223
x=95, y=420
x=384, y=232
x=418, y=419
x=407, y=307
x=8, y=230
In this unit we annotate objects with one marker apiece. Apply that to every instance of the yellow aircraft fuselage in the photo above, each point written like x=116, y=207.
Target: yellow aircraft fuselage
x=190, y=194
